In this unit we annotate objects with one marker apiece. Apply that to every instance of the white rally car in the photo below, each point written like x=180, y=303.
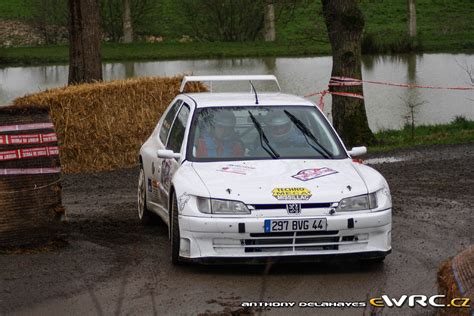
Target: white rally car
x=251, y=177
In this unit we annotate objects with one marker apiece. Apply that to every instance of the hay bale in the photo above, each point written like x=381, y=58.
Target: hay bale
x=456, y=279
x=30, y=191
x=101, y=126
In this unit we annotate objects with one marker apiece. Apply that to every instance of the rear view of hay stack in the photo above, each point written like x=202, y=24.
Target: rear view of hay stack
x=101, y=126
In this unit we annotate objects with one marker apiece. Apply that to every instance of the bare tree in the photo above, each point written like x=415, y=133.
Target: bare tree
x=84, y=42
x=127, y=22
x=269, y=22
x=236, y=20
x=114, y=18
x=50, y=19
x=411, y=18
x=345, y=24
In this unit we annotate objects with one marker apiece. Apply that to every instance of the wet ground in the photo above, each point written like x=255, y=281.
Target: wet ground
x=112, y=265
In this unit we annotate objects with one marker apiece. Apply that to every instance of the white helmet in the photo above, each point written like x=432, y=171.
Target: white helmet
x=278, y=126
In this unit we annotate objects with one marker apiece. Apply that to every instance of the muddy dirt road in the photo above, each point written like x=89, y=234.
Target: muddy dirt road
x=112, y=265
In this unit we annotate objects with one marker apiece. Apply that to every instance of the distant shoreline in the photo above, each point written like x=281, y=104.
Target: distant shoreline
x=59, y=54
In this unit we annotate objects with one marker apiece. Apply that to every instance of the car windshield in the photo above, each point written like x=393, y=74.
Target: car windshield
x=260, y=132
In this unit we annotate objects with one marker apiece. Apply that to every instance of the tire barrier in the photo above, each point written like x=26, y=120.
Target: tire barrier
x=456, y=280
x=30, y=174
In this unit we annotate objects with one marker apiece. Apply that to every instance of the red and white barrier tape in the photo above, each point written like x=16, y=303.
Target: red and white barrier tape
x=337, y=80
x=25, y=127
x=323, y=93
x=28, y=139
x=350, y=82
x=28, y=171
x=29, y=153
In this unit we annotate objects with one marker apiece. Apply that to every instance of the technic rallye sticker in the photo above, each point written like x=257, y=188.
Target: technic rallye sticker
x=309, y=174
x=291, y=194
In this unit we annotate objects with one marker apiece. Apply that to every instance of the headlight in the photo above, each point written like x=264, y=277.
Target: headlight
x=212, y=206
x=358, y=203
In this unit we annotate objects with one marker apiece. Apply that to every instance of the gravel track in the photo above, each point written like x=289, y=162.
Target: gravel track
x=110, y=264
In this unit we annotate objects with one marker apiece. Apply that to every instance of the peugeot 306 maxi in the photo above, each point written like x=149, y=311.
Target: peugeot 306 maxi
x=251, y=177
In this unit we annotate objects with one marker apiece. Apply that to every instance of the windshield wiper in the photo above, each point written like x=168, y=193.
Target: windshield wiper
x=307, y=133
x=263, y=138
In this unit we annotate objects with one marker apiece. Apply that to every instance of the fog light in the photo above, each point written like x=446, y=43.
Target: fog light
x=185, y=247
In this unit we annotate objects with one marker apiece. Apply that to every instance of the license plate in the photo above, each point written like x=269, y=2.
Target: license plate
x=296, y=225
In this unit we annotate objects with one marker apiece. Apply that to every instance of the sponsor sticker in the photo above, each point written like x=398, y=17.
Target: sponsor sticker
x=292, y=194
x=309, y=174
x=183, y=200
x=238, y=169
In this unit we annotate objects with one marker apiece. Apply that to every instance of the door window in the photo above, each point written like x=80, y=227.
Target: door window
x=165, y=127
x=177, y=131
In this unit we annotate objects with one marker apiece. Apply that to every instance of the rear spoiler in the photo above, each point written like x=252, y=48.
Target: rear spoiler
x=210, y=79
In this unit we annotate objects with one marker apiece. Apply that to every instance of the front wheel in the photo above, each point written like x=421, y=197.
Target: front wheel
x=174, y=233
x=144, y=215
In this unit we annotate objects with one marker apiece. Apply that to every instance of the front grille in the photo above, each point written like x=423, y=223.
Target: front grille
x=287, y=242
x=283, y=206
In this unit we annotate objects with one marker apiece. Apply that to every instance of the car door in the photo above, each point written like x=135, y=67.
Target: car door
x=159, y=139
x=174, y=143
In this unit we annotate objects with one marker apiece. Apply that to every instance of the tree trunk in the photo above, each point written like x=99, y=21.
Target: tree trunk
x=84, y=42
x=269, y=22
x=345, y=24
x=411, y=18
x=127, y=22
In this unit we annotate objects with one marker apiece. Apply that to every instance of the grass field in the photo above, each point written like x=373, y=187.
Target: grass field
x=164, y=51
x=442, y=24
x=459, y=131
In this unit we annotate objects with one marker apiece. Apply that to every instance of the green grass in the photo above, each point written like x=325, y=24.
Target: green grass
x=443, y=26
x=164, y=51
x=14, y=9
x=457, y=132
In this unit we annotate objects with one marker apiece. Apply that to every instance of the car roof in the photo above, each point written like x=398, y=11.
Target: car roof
x=208, y=99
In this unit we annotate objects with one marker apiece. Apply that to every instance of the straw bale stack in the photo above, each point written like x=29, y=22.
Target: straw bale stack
x=101, y=126
x=456, y=280
x=30, y=191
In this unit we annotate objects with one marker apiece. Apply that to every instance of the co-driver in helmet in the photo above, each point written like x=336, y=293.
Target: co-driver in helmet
x=220, y=140
x=281, y=131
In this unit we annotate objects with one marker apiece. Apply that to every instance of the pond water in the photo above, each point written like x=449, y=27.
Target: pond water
x=387, y=107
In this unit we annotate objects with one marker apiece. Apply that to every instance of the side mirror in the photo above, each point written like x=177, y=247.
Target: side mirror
x=167, y=154
x=357, y=151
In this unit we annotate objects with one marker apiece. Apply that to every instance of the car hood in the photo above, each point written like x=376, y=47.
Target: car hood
x=280, y=181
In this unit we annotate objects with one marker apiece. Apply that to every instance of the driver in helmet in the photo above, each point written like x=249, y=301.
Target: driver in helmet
x=281, y=131
x=220, y=140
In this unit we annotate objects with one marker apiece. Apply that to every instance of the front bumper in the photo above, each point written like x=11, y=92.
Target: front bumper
x=209, y=240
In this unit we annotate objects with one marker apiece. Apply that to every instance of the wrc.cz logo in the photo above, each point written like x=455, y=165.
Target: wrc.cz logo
x=420, y=300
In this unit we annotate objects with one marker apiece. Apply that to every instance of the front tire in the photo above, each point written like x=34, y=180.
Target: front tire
x=144, y=215
x=174, y=233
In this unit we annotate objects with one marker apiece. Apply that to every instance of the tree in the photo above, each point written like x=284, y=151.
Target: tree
x=411, y=18
x=84, y=42
x=127, y=22
x=236, y=20
x=269, y=22
x=114, y=17
x=50, y=19
x=345, y=23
